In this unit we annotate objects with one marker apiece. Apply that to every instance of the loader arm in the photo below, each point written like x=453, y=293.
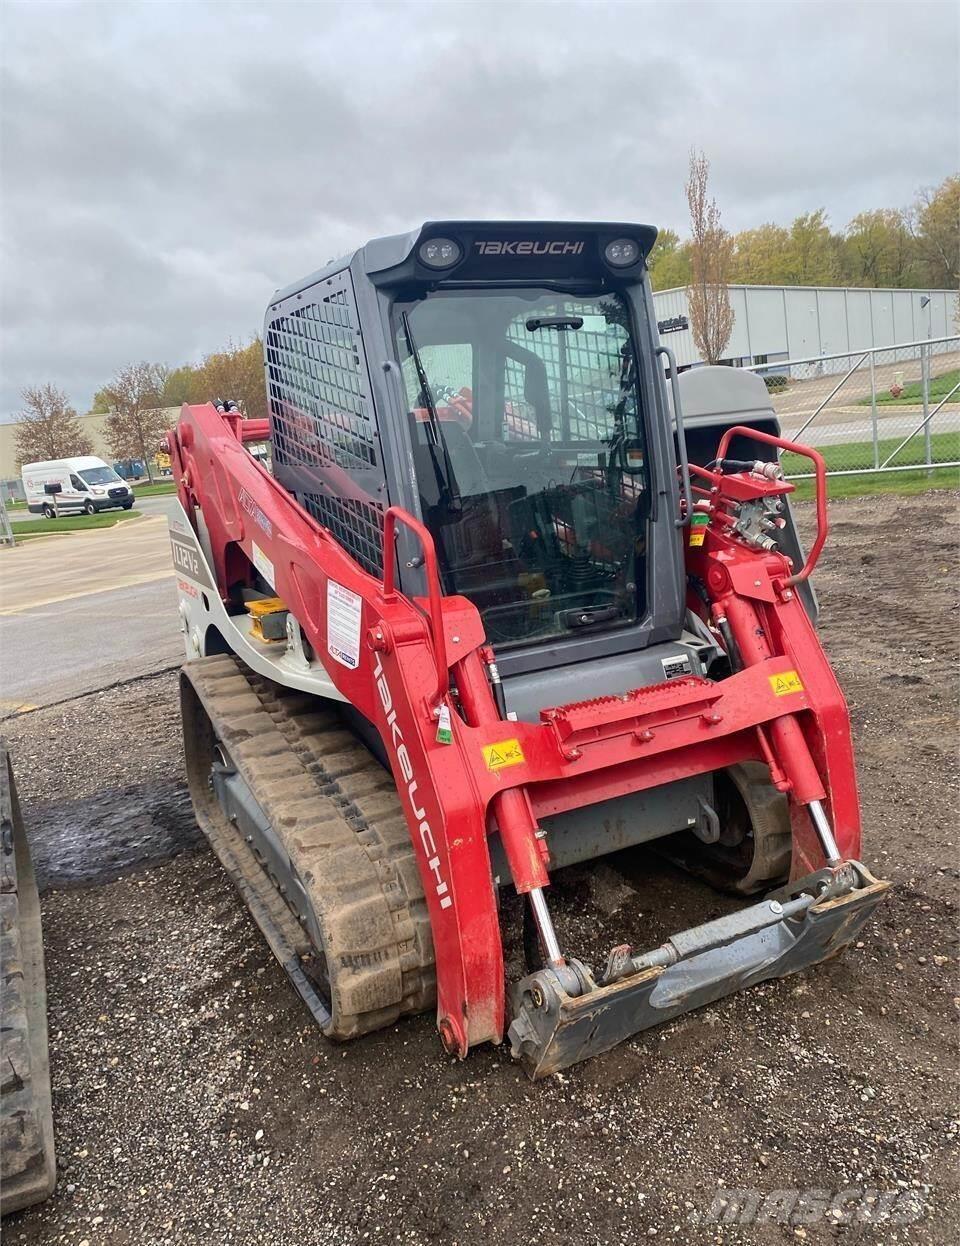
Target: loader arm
x=783, y=705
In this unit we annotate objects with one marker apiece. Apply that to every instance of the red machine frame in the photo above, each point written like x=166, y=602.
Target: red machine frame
x=784, y=707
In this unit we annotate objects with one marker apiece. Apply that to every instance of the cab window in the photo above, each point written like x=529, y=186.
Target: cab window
x=77, y=483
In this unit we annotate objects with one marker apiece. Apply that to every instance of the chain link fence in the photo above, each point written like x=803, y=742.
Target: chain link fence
x=887, y=409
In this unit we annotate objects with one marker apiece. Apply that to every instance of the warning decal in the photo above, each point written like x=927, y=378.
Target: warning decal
x=698, y=528
x=786, y=683
x=264, y=565
x=344, y=609
x=503, y=753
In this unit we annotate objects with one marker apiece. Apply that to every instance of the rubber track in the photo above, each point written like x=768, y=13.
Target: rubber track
x=339, y=818
x=27, y=1163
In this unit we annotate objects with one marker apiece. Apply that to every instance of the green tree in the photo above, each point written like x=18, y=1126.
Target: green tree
x=101, y=403
x=179, y=386
x=814, y=259
x=669, y=261
x=934, y=221
x=48, y=427
x=761, y=256
x=879, y=250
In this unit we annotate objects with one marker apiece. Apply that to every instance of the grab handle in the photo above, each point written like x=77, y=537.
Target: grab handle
x=667, y=353
x=820, y=472
x=395, y=515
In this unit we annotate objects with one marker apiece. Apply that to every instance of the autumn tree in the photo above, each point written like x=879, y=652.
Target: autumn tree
x=711, y=252
x=235, y=372
x=136, y=423
x=48, y=427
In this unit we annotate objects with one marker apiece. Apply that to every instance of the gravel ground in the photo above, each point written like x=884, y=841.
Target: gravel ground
x=195, y=1103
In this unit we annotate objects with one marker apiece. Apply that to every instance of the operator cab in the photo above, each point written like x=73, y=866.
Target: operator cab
x=499, y=381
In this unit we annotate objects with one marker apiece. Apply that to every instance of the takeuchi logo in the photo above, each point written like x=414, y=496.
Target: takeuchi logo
x=529, y=247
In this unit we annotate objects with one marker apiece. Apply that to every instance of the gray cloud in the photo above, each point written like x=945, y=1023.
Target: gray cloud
x=165, y=166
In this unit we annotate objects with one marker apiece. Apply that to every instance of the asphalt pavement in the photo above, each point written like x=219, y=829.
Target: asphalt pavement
x=83, y=610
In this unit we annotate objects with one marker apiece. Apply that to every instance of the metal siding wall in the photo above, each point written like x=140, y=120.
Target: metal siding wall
x=739, y=344
x=905, y=302
x=668, y=304
x=859, y=325
x=768, y=328
x=881, y=316
x=939, y=319
x=805, y=321
x=833, y=321
x=803, y=331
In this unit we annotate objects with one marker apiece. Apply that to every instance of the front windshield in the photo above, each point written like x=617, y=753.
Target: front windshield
x=99, y=475
x=529, y=453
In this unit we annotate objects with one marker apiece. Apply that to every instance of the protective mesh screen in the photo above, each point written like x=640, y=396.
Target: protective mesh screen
x=323, y=428
x=583, y=371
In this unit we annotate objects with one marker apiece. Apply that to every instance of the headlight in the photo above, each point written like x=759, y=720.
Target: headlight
x=621, y=253
x=100, y=491
x=440, y=252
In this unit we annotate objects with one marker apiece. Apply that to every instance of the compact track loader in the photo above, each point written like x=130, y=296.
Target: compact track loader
x=477, y=602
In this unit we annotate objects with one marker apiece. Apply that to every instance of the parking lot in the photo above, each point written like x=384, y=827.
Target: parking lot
x=84, y=609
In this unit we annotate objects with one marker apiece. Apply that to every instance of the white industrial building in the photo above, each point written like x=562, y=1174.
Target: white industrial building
x=775, y=323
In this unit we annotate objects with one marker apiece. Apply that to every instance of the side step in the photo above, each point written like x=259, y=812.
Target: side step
x=28, y=1170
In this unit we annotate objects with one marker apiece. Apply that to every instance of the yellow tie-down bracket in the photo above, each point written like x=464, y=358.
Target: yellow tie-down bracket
x=268, y=617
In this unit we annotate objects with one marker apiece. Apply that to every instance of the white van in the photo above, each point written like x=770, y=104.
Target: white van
x=86, y=484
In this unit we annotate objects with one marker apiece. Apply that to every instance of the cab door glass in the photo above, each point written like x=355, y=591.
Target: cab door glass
x=77, y=484
x=529, y=454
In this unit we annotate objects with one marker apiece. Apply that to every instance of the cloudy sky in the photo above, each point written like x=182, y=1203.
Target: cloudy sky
x=166, y=165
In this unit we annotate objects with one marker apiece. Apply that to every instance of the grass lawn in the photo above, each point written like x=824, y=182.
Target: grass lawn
x=69, y=523
x=939, y=387
x=149, y=491
x=946, y=447
x=865, y=484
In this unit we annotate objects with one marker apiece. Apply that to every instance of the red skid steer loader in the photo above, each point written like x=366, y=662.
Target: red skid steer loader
x=464, y=611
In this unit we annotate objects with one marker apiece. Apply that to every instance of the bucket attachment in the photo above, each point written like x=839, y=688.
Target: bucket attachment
x=562, y=1015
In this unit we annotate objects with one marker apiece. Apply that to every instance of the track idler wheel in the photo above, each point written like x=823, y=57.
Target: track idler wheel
x=754, y=848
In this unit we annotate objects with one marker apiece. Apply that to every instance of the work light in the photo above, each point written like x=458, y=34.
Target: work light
x=622, y=252
x=440, y=252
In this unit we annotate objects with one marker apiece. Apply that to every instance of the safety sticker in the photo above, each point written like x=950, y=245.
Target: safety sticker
x=344, y=610
x=698, y=527
x=264, y=565
x=786, y=683
x=503, y=753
